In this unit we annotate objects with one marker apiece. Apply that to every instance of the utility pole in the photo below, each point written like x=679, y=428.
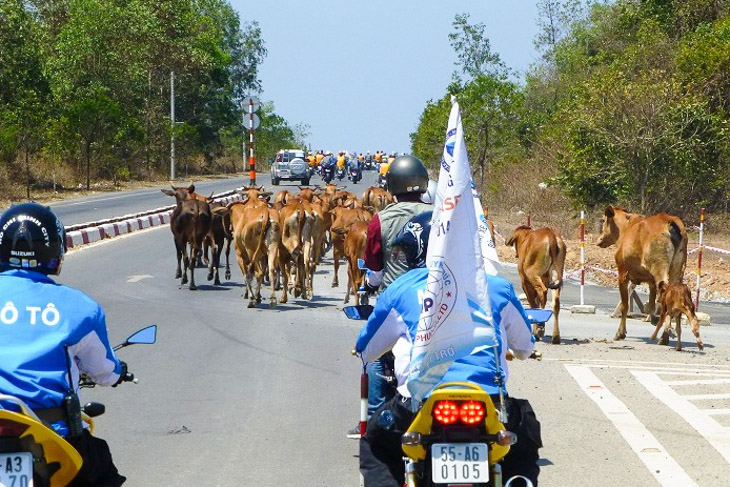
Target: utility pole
x=172, y=125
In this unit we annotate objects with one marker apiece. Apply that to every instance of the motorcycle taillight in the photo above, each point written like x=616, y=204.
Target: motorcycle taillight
x=468, y=412
x=11, y=428
x=445, y=412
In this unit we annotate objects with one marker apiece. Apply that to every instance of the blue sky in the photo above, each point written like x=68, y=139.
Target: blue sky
x=360, y=72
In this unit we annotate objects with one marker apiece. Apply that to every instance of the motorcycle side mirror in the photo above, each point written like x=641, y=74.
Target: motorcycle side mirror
x=94, y=409
x=146, y=336
x=537, y=315
x=361, y=264
x=358, y=312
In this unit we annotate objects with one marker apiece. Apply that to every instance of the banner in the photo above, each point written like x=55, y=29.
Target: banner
x=492, y=265
x=455, y=315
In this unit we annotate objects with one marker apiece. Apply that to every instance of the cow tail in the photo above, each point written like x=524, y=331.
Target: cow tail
x=675, y=235
x=556, y=277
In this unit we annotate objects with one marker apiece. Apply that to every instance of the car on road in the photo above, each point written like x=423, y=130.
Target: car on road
x=290, y=165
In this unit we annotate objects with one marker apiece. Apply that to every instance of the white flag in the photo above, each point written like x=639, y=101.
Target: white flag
x=492, y=265
x=455, y=316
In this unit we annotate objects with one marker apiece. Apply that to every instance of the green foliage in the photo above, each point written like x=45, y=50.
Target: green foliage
x=630, y=104
x=87, y=83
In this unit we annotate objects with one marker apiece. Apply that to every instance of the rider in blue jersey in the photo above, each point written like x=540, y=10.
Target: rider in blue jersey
x=393, y=325
x=47, y=329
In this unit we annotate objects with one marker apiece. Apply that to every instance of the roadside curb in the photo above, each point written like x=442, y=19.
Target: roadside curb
x=90, y=232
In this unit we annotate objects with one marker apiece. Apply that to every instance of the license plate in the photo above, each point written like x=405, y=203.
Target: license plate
x=459, y=462
x=16, y=470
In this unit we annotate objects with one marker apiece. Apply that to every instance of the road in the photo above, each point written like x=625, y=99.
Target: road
x=237, y=396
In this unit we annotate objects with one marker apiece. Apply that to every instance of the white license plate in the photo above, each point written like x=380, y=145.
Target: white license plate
x=16, y=470
x=459, y=462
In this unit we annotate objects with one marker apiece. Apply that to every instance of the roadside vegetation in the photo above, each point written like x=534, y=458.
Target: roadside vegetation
x=629, y=104
x=85, y=92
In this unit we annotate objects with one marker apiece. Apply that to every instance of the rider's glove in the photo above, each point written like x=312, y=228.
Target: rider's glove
x=122, y=374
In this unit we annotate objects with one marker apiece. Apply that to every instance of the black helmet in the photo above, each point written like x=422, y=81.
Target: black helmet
x=31, y=237
x=407, y=174
x=413, y=239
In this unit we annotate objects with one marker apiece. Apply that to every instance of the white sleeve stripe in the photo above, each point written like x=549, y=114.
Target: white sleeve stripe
x=519, y=335
x=91, y=358
x=384, y=337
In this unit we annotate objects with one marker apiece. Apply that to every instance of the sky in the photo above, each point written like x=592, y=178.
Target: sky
x=360, y=73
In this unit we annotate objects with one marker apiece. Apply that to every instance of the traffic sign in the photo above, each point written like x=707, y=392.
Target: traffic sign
x=250, y=104
x=252, y=121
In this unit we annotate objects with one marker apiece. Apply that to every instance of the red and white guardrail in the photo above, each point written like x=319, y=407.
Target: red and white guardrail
x=86, y=233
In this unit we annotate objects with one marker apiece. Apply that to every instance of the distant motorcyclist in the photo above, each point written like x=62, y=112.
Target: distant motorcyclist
x=48, y=328
x=393, y=324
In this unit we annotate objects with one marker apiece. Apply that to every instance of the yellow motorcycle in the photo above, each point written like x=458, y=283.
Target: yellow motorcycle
x=457, y=437
x=34, y=455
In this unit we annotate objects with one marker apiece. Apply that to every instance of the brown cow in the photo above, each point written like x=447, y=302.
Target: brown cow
x=355, y=239
x=376, y=197
x=293, y=218
x=651, y=250
x=540, y=261
x=342, y=219
x=675, y=300
x=190, y=225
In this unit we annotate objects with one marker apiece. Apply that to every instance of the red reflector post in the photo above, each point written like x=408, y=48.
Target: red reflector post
x=445, y=412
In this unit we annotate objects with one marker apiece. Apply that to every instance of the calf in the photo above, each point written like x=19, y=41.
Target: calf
x=676, y=300
x=651, y=250
x=342, y=219
x=540, y=261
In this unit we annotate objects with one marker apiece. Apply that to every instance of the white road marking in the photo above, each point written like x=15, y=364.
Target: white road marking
x=139, y=278
x=715, y=433
x=701, y=382
x=660, y=464
x=706, y=397
x=716, y=411
x=638, y=363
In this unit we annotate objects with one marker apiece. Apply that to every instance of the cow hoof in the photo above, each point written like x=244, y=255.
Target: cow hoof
x=217, y=282
x=228, y=275
x=700, y=346
x=335, y=284
x=297, y=293
x=258, y=300
x=619, y=336
x=272, y=303
x=555, y=340
x=178, y=274
x=252, y=304
x=184, y=280
x=193, y=287
x=664, y=340
x=210, y=276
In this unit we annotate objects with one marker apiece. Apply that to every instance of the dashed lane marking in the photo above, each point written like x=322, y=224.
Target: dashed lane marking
x=659, y=462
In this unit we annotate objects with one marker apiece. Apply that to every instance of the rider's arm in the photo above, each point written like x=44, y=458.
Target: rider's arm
x=517, y=325
x=94, y=356
x=382, y=330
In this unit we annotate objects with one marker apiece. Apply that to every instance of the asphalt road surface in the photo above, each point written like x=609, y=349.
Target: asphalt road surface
x=263, y=397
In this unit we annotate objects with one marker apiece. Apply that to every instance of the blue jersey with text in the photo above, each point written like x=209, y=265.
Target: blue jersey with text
x=394, y=322
x=40, y=321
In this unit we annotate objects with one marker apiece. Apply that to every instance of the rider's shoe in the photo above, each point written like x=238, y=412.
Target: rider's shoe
x=354, y=433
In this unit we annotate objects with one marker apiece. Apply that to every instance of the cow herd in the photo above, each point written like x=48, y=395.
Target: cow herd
x=649, y=250
x=282, y=240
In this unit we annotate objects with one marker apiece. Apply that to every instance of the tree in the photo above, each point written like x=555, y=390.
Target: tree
x=473, y=49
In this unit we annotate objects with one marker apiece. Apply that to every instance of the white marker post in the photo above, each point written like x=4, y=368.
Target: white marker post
x=582, y=307
x=250, y=105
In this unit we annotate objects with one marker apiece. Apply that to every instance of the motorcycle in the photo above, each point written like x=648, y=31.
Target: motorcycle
x=355, y=175
x=32, y=454
x=340, y=173
x=328, y=174
x=458, y=436
x=382, y=182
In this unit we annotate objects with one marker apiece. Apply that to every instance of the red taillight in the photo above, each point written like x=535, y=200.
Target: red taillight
x=469, y=412
x=445, y=412
x=11, y=428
